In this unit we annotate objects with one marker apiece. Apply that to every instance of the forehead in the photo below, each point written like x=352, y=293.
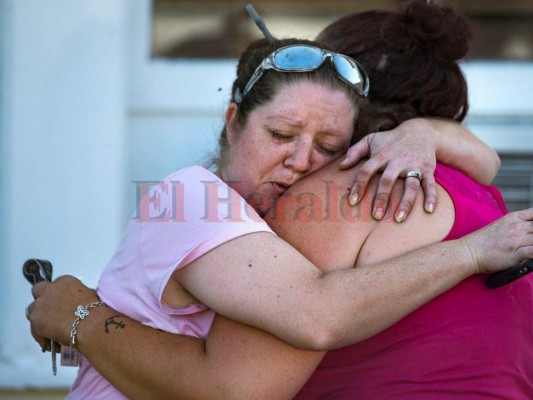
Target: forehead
x=304, y=102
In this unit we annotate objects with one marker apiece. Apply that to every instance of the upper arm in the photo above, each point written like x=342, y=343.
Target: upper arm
x=459, y=148
x=260, y=280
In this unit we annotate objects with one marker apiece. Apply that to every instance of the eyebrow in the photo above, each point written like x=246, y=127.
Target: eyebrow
x=299, y=124
x=286, y=120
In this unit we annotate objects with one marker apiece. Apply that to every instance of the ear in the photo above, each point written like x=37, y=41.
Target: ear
x=231, y=123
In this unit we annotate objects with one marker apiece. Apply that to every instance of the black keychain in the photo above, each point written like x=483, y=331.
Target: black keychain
x=509, y=275
x=35, y=271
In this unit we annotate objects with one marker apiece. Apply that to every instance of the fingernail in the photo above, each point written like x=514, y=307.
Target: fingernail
x=378, y=214
x=354, y=198
x=400, y=217
x=430, y=207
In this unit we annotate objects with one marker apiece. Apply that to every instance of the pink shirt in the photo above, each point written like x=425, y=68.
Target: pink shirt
x=191, y=212
x=472, y=342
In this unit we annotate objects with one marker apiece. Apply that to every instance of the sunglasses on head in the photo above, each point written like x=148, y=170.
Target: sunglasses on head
x=306, y=58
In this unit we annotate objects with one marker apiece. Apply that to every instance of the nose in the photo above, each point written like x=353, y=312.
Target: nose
x=299, y=158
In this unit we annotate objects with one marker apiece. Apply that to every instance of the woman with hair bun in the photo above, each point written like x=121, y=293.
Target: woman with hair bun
x=412, y=54
x=472, y=342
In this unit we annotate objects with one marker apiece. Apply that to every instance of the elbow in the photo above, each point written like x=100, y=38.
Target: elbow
x=325, y=336
x=339, y=326
x=325, y=341
x=312, y=336
x=328, y=328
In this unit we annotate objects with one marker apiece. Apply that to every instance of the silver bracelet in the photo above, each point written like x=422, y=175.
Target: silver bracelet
x=80, y=313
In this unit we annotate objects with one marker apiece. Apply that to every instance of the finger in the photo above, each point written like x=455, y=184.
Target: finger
x=411, y=188
x=43, y=342
x=28, y=311
x=524, y=231
x=381, y=201
x=430, y=192
x=362, y=179
x=526, y=214
x=38, y=289
x=356, y=153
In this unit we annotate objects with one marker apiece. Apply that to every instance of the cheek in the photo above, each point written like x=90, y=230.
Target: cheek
x=242, y=153
x=320, y=160
x=269, y=153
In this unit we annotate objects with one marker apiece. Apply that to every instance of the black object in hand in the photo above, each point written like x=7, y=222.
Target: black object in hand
x=509, y=275
x=35, y=271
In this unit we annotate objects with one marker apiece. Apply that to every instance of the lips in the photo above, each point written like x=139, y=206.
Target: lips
x=279, y=187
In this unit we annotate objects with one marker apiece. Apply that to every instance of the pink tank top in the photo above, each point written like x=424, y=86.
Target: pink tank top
x=177, y=221
x=469, y=343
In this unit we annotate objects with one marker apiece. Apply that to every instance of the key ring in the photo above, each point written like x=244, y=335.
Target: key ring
x=35, y=271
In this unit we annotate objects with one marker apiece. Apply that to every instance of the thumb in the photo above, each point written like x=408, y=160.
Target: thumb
x=355, y=153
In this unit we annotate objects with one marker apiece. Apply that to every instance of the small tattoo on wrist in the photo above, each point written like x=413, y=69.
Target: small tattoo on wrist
x=111, y=321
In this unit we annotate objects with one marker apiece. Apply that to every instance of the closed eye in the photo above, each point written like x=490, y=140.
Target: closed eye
x=280, y=136
x=329, y=150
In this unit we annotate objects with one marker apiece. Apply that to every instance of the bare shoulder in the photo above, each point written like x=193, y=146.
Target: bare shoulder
x=389, y=239
x=315, y=217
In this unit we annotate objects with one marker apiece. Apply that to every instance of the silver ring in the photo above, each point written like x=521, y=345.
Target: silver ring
x=414, y=174
x=28, y=313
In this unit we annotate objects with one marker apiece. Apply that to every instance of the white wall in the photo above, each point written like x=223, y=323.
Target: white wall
x=63, y=160
x=501, y=98
x=175, y=107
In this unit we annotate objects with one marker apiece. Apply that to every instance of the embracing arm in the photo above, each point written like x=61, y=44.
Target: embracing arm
x=242, y=362
x=276, y=289
x=235, y=362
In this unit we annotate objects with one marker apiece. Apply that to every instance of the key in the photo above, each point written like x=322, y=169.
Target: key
x=35, y=271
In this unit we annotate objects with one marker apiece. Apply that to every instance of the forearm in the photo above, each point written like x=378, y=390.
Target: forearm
x=145, y=363
x=459, y=148
x=235, y=361
x=376, y=296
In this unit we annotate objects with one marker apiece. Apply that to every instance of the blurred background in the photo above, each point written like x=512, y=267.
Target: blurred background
x=98, y=95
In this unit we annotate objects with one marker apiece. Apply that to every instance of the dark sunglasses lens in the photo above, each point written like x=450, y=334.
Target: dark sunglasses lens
x=349, y=71
x=298, y=58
